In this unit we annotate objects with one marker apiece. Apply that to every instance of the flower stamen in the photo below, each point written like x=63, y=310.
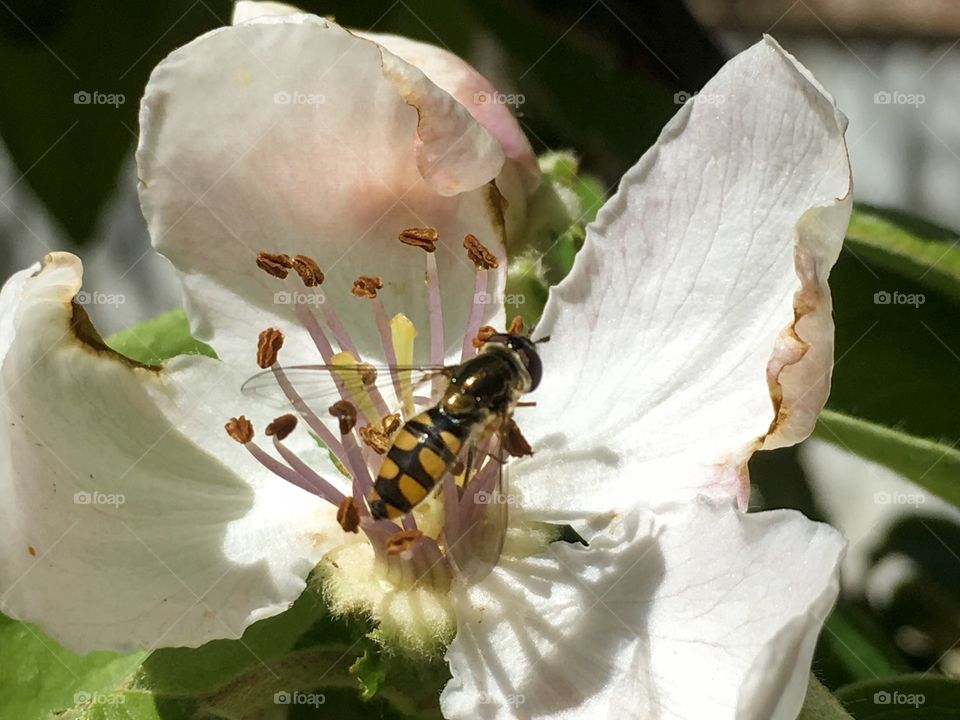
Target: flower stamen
x=276, y=264
x=424, y=238
x=366, y=286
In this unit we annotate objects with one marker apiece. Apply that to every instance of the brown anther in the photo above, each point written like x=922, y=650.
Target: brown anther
x=479, y=255
x=276, y=264
x=348, y=515
x=366, y=286
x=282, y=426
x=240, y=429
x=375, y=439
x=425, y=238
x=308, y=270
x=391, y=423
x=346, y=413
x=516, y=326
x=379, y=438
x=368, y=373
x=271, y=340
x=514, y=442
x=483, y=334
x=403, y=540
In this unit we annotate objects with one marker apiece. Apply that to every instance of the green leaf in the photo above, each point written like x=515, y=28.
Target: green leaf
x=37, y=676
x=906, y=697
x=157, y=339
x=369, y=672
x=820, y=704
x=932, y=464
x=852, y=648
x=895, y=363
x=914, y=248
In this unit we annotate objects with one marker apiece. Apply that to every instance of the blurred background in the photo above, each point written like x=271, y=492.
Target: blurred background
x=600, y=77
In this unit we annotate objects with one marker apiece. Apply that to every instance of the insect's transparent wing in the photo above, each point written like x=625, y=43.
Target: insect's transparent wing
x=369, y=387
x=483, y=520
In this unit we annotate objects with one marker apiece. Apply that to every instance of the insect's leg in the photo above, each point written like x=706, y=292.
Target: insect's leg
x=513, y=441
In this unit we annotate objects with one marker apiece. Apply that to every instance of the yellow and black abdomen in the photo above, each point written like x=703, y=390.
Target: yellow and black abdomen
x=426, y=447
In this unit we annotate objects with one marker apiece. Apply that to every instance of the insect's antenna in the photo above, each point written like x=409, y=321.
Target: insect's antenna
x=545, y=338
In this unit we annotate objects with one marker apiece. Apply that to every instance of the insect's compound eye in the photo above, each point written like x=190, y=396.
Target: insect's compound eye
x=531, y=359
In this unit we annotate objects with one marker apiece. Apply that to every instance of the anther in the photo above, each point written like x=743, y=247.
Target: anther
x=368, y=373
x=378, y=438
x=514, y=442
x=479, y=255
x=484, y=334
x=348, y=515
x=403, y=540
x=276, y=264
x=516, y=326
x=268, y=346
x=282, y=426
x=240, y=429
x=308, y=270
x=366, y=286
x=391, y=423
x=425, y=238
x=346, y=412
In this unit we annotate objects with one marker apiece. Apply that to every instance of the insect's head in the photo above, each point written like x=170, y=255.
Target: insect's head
x=526, y=349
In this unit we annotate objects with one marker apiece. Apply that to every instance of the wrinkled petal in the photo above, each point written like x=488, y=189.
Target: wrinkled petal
x=695, y=325
x=477, y=94
x=448, y=72
x=129, y=517
x=285, y=134
x=684, y=613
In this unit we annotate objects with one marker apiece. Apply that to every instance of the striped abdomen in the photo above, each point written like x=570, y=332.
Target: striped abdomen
x=424, y=449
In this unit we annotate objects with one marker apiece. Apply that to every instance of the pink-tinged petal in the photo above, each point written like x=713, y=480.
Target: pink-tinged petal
x=474, y=92
x=129, y=518
x=681, y=614
x=695, y=326
x=284, y=134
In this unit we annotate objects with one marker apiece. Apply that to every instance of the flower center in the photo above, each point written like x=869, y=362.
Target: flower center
x=442, y=520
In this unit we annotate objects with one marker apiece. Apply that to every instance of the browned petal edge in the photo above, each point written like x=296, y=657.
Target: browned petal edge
x=496, y=205
x=84, y=330
x=806, y=300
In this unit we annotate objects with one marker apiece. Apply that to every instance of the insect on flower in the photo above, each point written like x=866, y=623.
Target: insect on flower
x=447, y=433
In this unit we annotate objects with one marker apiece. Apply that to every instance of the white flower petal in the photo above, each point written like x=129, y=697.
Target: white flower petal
x=183, y=538
x=448, y=72
x=284, y=134
x=678, y=338
x=477, y=94
x=665, y=616
x=246, y=10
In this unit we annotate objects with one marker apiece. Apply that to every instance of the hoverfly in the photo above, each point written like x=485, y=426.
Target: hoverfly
x=473, y=406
